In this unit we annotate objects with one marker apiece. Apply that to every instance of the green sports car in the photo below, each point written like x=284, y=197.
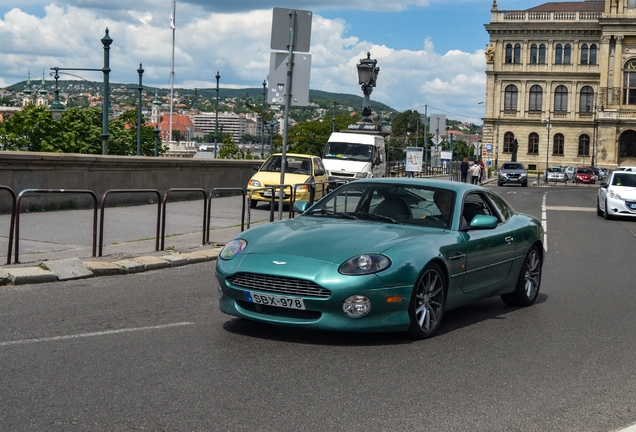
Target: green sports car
x=386, y=254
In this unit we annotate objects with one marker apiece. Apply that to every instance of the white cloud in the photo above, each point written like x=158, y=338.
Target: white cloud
x=236, y=45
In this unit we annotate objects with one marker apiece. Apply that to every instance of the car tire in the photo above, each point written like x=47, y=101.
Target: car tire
x=524, y=184
x=529, y=281
x=253, y=203
x=606, y=214
x=599, y=212
x=499, y=183
x=428, y=300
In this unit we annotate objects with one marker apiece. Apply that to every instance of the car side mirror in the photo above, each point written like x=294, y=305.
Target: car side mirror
x=484, y=222
x=319, y=172
x=300, y=206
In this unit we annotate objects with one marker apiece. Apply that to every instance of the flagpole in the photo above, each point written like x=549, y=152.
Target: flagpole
x=173, y=27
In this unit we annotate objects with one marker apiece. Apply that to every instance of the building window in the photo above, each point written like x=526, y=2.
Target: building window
x=628, y=144
x=584, y=145
x=510, y=98
x=593, y=51
x=557, y=145
x=631, y=3
x=584, y=54
x=586, y=103
x=567, y=54
x=507, y=144
x=561, y=99
x=629, y=83
x=534, y=54
x=533, y=143
x=558, y=54
x=513, y=54
x=542, y=54
x=588, y=54
x=536, y=98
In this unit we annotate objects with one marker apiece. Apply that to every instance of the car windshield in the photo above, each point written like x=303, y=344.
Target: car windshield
x=294, y=165
x=512, y=166
x=555, y=169
x=584, y=171
x=621, y=179
x=388, y=203
x=350, y=151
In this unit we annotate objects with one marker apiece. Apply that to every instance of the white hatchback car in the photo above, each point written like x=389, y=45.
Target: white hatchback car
x=617, y=196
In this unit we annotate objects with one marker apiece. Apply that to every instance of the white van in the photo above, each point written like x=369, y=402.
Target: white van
x=350, y=156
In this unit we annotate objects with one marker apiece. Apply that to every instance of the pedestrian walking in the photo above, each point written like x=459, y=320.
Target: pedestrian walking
x=475, y=170
x=482, y=174
x=463, y=169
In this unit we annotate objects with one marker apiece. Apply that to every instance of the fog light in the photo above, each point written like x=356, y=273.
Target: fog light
x=394, y=299
x=356, y=306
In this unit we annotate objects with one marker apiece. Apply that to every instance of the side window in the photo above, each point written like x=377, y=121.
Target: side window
x=476, y=204
x=318, y=166
x=502, y=206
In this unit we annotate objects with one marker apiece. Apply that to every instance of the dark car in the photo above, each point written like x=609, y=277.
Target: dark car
x=584, y=175
x=512, y=172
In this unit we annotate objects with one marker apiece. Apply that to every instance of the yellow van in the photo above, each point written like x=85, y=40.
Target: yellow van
x=300, y=171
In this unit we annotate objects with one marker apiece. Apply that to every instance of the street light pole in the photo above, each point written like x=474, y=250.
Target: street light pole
x=547, y=148
x=333, y=118
x=106, y=41
x=497, y=147
x=140, y=71
x=263, y=120
x=216, y=124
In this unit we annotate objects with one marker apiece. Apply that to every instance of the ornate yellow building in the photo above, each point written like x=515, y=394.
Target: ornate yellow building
x=562, y=76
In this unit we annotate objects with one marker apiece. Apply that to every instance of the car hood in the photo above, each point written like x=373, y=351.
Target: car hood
x=626, y=193
x=512, y=171
x=328, y=239
x=273, y=178
x=335, y=165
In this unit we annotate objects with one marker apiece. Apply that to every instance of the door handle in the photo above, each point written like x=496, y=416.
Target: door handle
x=509, y=240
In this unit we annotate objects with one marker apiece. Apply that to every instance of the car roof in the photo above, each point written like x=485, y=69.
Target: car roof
x=295, y=155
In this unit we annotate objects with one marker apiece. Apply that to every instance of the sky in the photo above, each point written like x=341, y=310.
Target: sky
x=430, y=52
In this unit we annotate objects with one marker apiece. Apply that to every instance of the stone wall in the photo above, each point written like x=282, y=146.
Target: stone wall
x=98, y=173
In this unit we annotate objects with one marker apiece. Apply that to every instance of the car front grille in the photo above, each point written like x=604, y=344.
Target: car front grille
x=277, y=284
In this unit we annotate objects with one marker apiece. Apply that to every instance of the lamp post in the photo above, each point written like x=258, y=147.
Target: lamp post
x=497, y=147
x=367, y=76
x=156, y=131
x=547, y=148
x=106, y=42
x=140, y=71
x=57, y=108
x=333, y=118
x=216, y=123
x=263, y=120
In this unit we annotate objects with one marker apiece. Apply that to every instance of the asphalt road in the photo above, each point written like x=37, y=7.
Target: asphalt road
x=151, y=351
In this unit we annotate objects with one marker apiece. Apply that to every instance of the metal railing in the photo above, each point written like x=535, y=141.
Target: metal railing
x=164, y=204
x=213, y=194
x=12, y=224
x=61, y=191
x=113, y=191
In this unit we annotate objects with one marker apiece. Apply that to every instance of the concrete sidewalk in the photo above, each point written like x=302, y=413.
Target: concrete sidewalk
x=57, y=245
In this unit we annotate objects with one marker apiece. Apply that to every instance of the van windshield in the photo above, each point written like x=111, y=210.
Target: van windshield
x=349, y=151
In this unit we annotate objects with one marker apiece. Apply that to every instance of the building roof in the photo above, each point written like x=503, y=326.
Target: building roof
x=578, y=6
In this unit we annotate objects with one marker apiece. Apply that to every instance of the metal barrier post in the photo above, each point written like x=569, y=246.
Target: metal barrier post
x=62, y=191
x=12, y=224
x=212, y=192
x=164, y=205
x=103, y=201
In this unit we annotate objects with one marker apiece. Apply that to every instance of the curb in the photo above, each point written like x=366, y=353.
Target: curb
x=74, y=268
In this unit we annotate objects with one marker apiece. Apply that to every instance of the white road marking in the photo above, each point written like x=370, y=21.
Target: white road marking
x=567, y=208
x=544, y=221
x=100, y=333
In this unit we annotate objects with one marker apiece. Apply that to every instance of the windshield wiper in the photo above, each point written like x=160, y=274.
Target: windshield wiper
x=373, y=216
x=331, y=213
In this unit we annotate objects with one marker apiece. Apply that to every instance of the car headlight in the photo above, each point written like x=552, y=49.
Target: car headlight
x=254, y=183
x=356, y=306
x=523, y=174
x=364, y=264
x=232, y=249
x=615, y=195
x=302, y=188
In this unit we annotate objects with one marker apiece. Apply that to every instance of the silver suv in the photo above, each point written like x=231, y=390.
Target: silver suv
x=512, y=172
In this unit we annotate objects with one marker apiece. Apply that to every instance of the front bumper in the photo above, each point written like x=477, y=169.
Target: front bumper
x=620, y=207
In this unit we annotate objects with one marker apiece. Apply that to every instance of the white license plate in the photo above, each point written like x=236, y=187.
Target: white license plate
x=275, y=300
x=268, y=193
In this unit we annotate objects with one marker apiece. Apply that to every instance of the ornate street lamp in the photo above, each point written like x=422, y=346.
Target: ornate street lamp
x=547, y=149
x=106, y=42
x=367, y=76
x=156, y=132
x=140, y=71
x=57, y=108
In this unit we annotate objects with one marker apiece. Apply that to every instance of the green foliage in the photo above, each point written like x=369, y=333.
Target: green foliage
x=311, y=137
x=230, y=150
x=78, y=131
